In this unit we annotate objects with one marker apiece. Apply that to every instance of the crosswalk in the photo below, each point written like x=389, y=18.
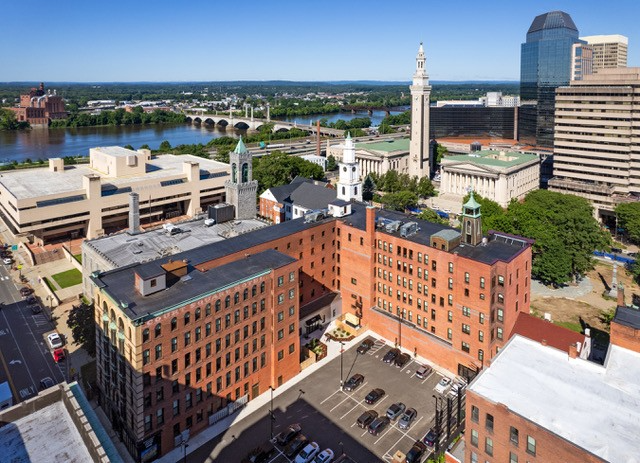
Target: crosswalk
x=40, y=319
x=5, y=278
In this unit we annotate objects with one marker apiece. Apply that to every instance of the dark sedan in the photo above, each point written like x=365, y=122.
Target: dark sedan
x=415, y=454
x=364, y=346
x=296, y=445
x=430, y=438
x=402, y=359
x=366, y=418
x=391, y=355
x=375, y=395
x=353, y=382
x=378, y=425
x=288, y=434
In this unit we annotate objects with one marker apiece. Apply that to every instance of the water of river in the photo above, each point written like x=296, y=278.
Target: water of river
x=49, y=143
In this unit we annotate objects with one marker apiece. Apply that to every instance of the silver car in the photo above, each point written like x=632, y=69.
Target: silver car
x=407, y=418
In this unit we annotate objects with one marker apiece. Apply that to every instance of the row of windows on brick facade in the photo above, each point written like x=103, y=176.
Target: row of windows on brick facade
x=229, y=340
x=202, y=394
x=514, y=435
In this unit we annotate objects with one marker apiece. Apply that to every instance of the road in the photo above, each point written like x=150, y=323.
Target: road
x=24, y=355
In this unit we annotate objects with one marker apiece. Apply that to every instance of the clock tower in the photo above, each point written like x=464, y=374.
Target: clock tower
x=420, y=158
x=349, y=186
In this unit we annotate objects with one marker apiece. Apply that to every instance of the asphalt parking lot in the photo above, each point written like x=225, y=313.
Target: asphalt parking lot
x=328, y=414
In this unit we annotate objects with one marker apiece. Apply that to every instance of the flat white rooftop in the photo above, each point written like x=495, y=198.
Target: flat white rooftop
x=596, y=407
x=47, y=435
x=40, y=182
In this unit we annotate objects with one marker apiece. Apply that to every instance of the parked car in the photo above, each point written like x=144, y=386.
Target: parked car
x=25, y=291
x=456, y=387
x=378, y=425
x=46, y=383
x=373, y=396
x=58, y=355
x=296, y=445
x=402, y=359
x=364, y=346
x=31, y=300
x=366, y=418
x=54, y=340
x=326, y=456
x=430, y=438
x=35, y=308
x=308, y=453
x=7, y=261
x=353, y=382
x=415, y=454
x=391, y=355
x=288, y=434
x=395, y=410
x=260, y=454
x=424, y=371
x=443, y=386
x=407, y=418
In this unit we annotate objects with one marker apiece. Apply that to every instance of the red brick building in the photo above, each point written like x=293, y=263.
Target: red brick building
x=452, y=297
x=540, y=403
x=39, y=108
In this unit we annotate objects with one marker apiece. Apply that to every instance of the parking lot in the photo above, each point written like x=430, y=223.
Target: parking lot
x=328, y=414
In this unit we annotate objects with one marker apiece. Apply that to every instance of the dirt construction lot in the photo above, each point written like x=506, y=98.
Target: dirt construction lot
x=567, y=305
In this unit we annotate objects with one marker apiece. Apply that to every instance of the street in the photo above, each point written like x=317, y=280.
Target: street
x=25, y=358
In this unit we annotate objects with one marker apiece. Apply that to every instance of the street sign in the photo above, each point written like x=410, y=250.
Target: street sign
x=14, y=247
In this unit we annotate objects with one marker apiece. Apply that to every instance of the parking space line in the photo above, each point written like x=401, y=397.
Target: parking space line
x=348, y=397
x=384, y=434
x=332, y=394
x=354, y=407
x=409, y=363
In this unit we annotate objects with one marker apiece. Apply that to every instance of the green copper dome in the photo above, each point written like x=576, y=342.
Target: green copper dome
x=240, y=147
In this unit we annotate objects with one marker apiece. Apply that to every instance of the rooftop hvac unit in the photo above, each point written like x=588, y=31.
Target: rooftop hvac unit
x=314, y=216
x=393, y=226
x=408, y=229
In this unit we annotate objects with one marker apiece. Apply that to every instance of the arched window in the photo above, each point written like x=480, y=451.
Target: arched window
x=245, y=172
x=158, y=330
x=174, y=323
x=218, y=304
x=227, y=302
x=355, y=190
x=198, y=314
x=236, y=298
x=207, y=309
x=254, y=290
x=245, y=294
x=262, y=287
x=105, y=309
x=187, y=318
x=468, y=225
x=343, y=191
x=145, y=335
x=234, y=173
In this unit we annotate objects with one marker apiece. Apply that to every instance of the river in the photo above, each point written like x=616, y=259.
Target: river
x=49, y=143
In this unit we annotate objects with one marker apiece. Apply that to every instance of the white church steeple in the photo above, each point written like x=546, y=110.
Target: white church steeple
x=349, y=186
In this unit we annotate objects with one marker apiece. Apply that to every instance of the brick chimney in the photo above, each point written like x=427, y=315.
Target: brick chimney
x=620, y=294
x=573, y=351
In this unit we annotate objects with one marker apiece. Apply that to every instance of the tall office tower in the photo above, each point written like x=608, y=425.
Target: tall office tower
x=596, y=153
x=581, y=60
x=609, y=51
x=420, y=162
x=545, y=64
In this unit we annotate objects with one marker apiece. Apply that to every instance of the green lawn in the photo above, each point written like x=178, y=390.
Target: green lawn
x=69, y=278
x=78, y=257
x=573, y=326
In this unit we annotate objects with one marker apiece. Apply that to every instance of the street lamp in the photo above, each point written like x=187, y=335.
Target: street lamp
x=341, y=351
x=184, y=449
x=341, y=448
x=271, y=417
x=49, y=301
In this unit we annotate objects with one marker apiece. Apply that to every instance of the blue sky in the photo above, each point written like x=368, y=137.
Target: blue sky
x=162, y=40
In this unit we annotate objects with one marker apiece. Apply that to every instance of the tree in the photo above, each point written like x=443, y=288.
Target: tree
x=279, y=168
x=165, y=146
x=564, y=230
x=629, y=219
x=440, y=152
x=331, y=163
x=222, y=154
x=432, y=216
x=82, y=324
x=129, y=147
x=400, y=201
x=145, y=147
x=8, y=121
x=425, y=188
x=368, y=187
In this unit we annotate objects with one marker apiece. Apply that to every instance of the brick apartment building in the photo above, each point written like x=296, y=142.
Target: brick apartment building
x=540, y=403
x=39, y=107
x=450, y=296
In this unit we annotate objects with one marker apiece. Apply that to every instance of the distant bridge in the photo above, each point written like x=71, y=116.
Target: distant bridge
x=249, y=122
x=370, y=109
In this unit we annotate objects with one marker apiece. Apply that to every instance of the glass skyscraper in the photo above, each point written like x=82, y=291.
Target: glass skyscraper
x=545, y=64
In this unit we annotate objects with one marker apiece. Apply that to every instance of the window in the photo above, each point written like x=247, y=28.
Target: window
x=280, y=281
x=481, y=336
x=449, y=316
x=176, y=407
x=475, y=414
x=501, y=298
x=531, y=445
x=174, y=323
x=488, y=446
x=481, y=318
x=466, y=329
x=449, y=334
x=280, y=298
x=292, y=293
x=174, y=344
x=466, y=347
x=280, y=334
x=198, y=312
x=280, y=316
x=499, y=334
x=187, y=338
x=158, y=330
x=292, y=348
x=354, y=281
x=500, y=313
x=434, y=265
x=480, y=355
x=488, y=424
x=187, y=318
x=145, y=357
x=292, y=276
x=466, y=311
x=147, y=418
x=145, y=335
x=160, y=416
x=513, y=458
x=513, y=435
x=474, y=457
x=450, y=283
x=500, y=280
x=280, y=355
x=466, y=277
x=158, y=351
x=482, y=282
x=450, y=267
x=474, y=437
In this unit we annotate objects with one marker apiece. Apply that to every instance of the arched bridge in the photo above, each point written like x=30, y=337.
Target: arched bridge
x=249, y=122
